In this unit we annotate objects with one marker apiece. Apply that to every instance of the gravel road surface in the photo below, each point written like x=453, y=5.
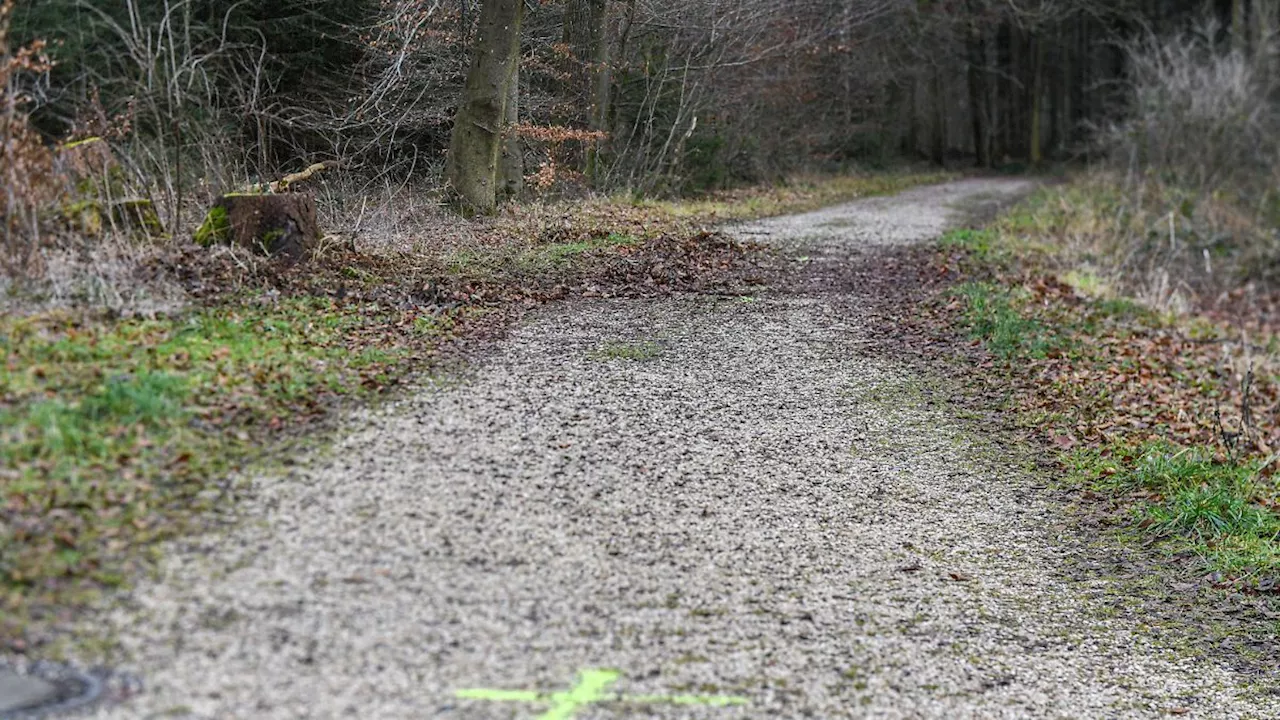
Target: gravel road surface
x=699, y=507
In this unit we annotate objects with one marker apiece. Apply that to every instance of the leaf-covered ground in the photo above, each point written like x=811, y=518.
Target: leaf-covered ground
x=117, y=433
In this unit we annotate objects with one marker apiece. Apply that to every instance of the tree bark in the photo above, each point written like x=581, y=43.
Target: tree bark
x=1079, y=80
x=476, y=144
x=1239, y=27
x=1001, y=119
x=1057, y=94
x=1036, y=149
x=979, y=109
x=511, y=164
x=912, y=144
x=281, y=224
x=586, y=37
x=586, y=94
x=938, y=146
x=1266, y=23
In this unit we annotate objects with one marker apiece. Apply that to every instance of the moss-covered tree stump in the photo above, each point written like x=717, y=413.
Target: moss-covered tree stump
x=273, y=224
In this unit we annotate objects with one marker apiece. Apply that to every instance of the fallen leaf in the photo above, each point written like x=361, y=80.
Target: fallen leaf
x=1063, y=442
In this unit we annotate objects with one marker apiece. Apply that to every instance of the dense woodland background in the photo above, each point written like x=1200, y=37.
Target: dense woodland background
x=196, y=97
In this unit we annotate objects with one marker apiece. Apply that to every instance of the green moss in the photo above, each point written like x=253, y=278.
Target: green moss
x=269, y=239
x=84, y=216
x=216, y=227
x=139, y=215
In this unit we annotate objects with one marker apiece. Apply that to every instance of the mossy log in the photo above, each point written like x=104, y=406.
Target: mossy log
x=283, y=224
x=134, y=216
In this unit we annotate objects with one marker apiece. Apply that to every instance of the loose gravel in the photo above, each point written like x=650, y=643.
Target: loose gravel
x=709, y=495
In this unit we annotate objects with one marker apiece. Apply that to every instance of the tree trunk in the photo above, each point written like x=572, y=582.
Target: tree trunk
x=938, y=147
x=601, y=84
x=1079, y=80
x=912, y=145
x=511, y=164
x=1037, y=104
x=1015, y=109
x=1239, y=28
x=1004, y=86
x=1058, y=85
x=978, y=93
x=585, y=36
x=474, y=149
x=1266, y=24
x=273, y=224
x=586, y=94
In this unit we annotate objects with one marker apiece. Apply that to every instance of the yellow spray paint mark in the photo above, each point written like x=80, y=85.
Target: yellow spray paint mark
x=590, y=690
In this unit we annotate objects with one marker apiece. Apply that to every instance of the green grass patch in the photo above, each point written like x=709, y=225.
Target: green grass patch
x=992, y=314
x=559, y=253
x=518, y=262
x=978, y=242
x=1138, y=399
x=114, y=435
x=1221, y=511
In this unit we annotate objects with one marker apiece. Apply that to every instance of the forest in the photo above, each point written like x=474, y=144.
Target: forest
x=1042, y=234
x=651, y=97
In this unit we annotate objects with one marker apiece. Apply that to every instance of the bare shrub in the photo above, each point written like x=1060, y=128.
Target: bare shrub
x=1188, y=205
x=27, y=165
x=1201, y=118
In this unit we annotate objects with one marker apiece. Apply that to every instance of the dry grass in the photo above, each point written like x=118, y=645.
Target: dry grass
x=1188, y=210
x=1170, y=248
x=104, y=276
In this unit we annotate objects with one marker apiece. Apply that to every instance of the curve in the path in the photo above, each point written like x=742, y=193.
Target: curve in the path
x=661, y=509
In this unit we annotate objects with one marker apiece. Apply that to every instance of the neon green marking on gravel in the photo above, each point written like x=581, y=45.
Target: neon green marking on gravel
x=590, y=688
x=589, y=691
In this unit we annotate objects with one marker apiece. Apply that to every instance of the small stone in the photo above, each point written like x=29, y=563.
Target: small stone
x=18, y=692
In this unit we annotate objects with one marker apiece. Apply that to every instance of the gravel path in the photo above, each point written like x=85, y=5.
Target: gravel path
x=721, y=500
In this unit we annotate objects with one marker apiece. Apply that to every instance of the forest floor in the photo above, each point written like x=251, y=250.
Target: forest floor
x=764, y=497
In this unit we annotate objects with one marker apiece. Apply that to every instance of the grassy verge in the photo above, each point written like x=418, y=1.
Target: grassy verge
x=116, y=434
x=119, y=434
x=1167, y=415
